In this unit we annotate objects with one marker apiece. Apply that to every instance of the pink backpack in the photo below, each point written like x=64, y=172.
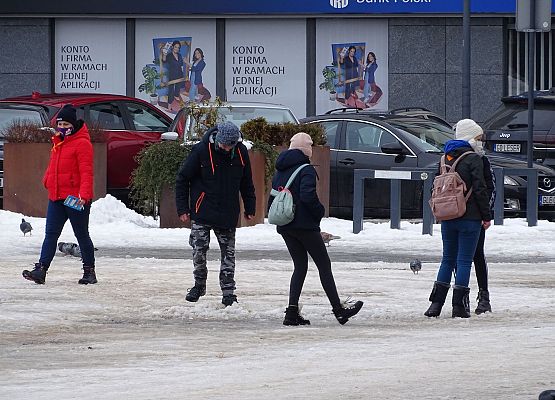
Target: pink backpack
x=448, y=199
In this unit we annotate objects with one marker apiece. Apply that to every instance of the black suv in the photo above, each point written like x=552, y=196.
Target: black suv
x=387, y=140
x=507, y=129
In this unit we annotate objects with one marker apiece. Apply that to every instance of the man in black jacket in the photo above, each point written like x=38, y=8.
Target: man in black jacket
x=207, y=192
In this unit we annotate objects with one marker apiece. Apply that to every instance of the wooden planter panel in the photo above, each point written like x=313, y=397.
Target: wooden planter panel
x=24, y=167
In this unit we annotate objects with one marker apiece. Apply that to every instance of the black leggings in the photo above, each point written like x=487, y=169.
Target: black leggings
x=480, y=264
x=300, y=243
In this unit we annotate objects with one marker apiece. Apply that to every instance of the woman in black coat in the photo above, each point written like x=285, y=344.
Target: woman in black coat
x=302, y=235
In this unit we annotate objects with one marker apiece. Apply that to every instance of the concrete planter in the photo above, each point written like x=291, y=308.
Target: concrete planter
x=168, y=213
x=24, y=167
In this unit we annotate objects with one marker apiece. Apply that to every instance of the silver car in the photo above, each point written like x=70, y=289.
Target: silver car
x=237, y=113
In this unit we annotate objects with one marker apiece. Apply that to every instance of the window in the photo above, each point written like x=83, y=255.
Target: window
x=330, y=130
x=544, y=74
x=106, y=116
x=145, y=119
x=10, y=115
x=362, y=136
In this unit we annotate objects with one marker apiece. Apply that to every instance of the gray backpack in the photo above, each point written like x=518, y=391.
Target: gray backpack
x=448, y=193
x=282, y=210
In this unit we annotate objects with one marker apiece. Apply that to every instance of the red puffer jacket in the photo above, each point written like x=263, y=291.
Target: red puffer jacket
x=70, y=171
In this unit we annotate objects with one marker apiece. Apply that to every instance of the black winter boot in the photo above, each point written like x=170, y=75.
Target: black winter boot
x=229, y=299
x=547, y=395
x=37, y=275
x=460, y=302
x=89, y=276
x=195, y=293
x=483, y=302
x=437, y=297
x=293, y=317
x=346, y=310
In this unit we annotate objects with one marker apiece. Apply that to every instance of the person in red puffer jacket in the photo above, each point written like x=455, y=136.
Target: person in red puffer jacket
x=69, y=173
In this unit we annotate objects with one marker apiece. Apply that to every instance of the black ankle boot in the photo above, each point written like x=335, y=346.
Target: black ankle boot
x=293, y=317
x=461, y=302
x=483, y=302
x=195, y=293
x=37, y=275
x=346, y=311
x=437, y=297
x=89, y=276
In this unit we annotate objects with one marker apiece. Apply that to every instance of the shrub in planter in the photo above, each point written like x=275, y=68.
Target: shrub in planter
x=157, y=168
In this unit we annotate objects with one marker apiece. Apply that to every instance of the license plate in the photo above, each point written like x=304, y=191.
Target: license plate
x=547, y=200
x=507, y=148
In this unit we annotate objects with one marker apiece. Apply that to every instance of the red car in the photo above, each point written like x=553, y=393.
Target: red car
x=129, y=124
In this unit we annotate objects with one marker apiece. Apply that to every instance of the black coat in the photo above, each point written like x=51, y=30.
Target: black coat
x=209, y=182
x=471, y=170
x=308, y=209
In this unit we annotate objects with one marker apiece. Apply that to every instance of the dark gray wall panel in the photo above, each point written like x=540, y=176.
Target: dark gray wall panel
x=486, y=46
x=485, y=96
x=416, y=49
x=422, y=90
x=23, y=84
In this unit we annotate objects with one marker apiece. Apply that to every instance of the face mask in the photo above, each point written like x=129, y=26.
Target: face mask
x=64, y=131
x=477, y=146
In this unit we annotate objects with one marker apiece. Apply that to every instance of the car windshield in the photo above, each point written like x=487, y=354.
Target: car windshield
x=241, y=114
x=515, y=116
x=10, y=115
x=428, y=135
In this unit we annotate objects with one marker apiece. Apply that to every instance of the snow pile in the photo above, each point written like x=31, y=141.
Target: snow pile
x=110, y=210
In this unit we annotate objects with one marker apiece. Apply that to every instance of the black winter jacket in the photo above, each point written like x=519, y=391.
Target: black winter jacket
x=308, y=209
x=209, y=182
x=471, y=170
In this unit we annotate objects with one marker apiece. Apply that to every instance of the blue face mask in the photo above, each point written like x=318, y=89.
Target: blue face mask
x=64, y=131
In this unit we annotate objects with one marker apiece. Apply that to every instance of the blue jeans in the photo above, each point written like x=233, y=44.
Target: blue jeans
x=56, y=217
x=459, y=237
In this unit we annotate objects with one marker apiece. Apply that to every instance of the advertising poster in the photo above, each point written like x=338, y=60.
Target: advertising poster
x=351, y=64
x=84, y=61
x=266, y=62
x=175, y=62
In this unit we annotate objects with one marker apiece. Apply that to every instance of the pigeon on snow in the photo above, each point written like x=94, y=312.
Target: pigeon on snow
x=415, y=266
x=25, y=227
x=71, y=249
x=327, y=237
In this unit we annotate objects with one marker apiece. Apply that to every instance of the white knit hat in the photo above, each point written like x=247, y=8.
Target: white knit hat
x=303, y=142
x=467, y=129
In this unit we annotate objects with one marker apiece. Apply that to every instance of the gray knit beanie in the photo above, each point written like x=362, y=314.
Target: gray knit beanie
x=228, y=134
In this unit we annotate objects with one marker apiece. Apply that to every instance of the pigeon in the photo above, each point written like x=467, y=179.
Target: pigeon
x=70, y=249
x=415, y=266
x=327, y=237
x=25, y=227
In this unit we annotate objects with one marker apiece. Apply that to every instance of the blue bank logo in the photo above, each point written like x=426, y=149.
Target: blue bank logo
x=339, y=3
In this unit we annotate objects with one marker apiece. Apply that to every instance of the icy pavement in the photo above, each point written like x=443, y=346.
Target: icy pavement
x=133, y=336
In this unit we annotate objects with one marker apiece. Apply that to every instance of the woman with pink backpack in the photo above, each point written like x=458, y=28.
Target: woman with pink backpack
x=460, y=235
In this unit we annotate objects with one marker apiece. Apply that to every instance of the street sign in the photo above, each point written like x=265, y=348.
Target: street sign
x=533, y=15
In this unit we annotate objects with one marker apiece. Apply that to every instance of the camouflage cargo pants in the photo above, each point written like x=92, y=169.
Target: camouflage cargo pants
x=200, y=241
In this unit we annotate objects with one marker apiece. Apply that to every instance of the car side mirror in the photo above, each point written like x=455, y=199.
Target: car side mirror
x=169, y=136
x=394, y=148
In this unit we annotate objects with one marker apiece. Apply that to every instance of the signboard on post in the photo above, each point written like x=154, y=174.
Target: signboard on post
x=533, y=15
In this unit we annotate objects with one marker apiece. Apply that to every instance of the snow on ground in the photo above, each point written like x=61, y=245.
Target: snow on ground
x=133, y=336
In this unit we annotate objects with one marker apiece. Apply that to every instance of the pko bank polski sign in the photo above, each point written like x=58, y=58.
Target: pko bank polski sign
x=256, y=7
